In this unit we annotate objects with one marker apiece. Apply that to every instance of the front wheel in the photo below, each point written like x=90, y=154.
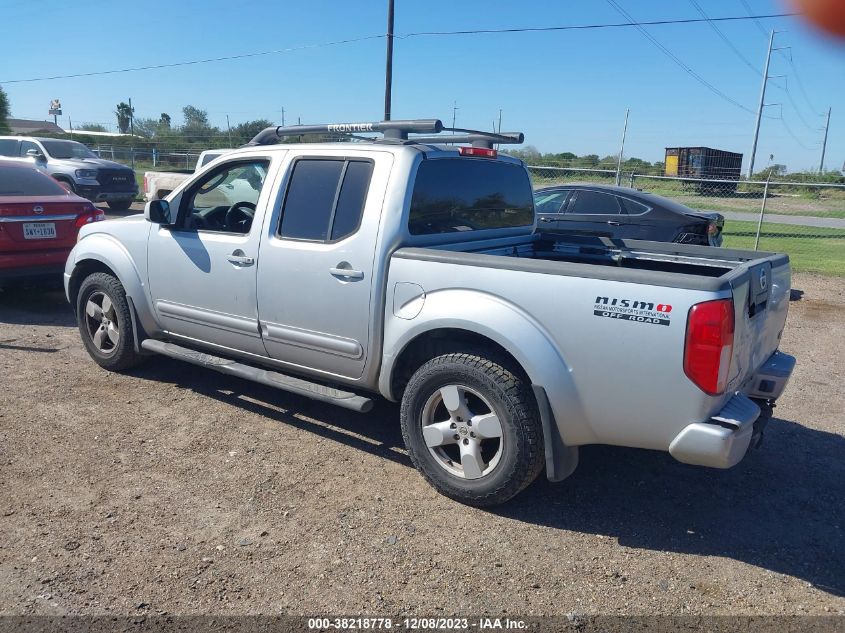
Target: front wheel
x=119, y=205
x=105, y=323
x=472, y=428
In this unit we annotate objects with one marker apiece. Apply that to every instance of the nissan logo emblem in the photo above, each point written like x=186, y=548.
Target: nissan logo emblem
x=764, y=280
x=38, y=210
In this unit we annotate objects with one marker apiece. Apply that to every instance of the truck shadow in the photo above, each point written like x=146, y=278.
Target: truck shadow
x=781, y=509
x=43, y=304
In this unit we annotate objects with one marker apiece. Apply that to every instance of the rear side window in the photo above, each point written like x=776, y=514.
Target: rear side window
x=28, y=182
x=595, y=203
x=8, y=147
x=633, y=208
x=469, y=194
x=325, y=199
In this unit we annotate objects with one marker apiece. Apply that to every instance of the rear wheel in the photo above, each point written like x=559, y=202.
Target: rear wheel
x=120, y=205
x=472, y=428
x=105, y=323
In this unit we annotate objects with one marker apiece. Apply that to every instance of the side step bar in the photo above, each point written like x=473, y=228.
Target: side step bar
x=313, y=390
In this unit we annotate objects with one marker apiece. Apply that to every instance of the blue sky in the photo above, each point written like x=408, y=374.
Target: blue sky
x=566, y=90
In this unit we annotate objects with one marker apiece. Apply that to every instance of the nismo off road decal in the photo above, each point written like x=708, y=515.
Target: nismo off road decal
x=633, y=310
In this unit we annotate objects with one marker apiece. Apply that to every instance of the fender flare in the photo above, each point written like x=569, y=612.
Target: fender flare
x=510, y=327
x=111, y=253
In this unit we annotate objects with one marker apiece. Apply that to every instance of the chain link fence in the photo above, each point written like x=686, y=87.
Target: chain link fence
x=803, y=219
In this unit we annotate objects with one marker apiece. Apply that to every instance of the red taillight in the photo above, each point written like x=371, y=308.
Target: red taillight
x=709, y=344
x=712, y=229
x=92, y=214
x=478, y=151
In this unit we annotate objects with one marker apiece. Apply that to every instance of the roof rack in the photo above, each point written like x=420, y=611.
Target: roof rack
x=393, y=132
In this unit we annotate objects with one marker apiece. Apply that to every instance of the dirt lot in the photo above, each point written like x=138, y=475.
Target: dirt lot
x=177, y=490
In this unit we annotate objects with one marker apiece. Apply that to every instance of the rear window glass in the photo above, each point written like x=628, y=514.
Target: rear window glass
x=15, y=181
x=469, y=194
x=8, y=147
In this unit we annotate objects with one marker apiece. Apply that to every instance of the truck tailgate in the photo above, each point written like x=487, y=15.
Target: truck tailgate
x=761, y=302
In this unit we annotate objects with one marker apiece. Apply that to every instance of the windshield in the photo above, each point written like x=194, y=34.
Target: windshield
x=470, y=194
x=67, y=149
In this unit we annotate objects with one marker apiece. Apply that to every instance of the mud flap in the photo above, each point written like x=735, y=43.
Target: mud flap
x=561, y=460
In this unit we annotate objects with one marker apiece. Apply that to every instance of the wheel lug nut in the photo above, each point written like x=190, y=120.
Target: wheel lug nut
x=466, y=441
x=458, y=418
x=472, y=434
x=469, y=422
x=453, y=426
x=456, y=436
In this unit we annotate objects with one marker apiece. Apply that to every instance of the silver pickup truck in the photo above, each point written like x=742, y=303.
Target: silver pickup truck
x=409, y=269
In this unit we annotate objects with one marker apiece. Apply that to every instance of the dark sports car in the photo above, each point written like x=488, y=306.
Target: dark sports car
x=621, y=212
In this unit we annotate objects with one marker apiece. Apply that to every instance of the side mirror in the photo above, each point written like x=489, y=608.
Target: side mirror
x=36, y=154
x=158, y=211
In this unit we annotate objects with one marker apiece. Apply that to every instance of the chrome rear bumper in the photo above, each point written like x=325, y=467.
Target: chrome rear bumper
x=724, y=439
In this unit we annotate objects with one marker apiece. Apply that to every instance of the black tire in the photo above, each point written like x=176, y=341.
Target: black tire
x=122, y=354
x=511, y=399
x=69, y=183
x=120, y=205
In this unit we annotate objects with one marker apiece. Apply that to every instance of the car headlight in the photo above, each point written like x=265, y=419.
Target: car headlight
x=86, y=173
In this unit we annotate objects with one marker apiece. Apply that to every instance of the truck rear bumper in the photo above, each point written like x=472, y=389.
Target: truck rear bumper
x=723, y=440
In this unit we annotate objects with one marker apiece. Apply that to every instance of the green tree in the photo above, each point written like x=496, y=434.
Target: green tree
x=196, y=127
x=244, y=132
x=4, y=112
x=164, y=121
x=124, y=116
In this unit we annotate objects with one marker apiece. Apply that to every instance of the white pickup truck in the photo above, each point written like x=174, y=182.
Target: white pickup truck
x=158, y=184
x=411, y=270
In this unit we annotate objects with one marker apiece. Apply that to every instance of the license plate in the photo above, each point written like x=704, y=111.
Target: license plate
x=39, y=230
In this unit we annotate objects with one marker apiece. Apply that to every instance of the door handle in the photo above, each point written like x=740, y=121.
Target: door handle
x=239, y=259
x=614, y=223
x=347, y=273
x=546, y=220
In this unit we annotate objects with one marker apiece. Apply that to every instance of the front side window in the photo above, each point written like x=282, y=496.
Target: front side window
x=67, y=149
x=550, y=201
x=595, y=203
x=325, y=199
x=469, y=194
x=225, y=199
x=28, y=145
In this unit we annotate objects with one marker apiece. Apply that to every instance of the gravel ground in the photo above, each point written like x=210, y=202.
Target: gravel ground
x=178, y=490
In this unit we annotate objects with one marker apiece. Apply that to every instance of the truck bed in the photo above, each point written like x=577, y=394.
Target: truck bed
x=566, y=287
x=658, y=263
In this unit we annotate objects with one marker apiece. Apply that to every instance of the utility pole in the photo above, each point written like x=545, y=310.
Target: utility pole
x=622, y=149
x=500, y=120
x=761, y=105
x=283, y=116
x=824, y=142
x=388, y=71
x=229, y=129
x=454, y=112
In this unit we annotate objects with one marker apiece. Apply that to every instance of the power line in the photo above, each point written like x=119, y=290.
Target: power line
x=196, y=61
x=788, y=58
x=792, y=134
x=789, y=96
x=584, y=27
x=575, y=27
x=725, y=38
x=677, y=60
x=753, y=17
